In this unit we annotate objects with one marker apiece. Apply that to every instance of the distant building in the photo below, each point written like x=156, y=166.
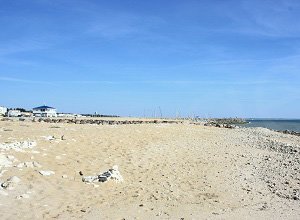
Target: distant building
x=26, y=114
x=3, y=110
x=44, y=111
x=14, y=113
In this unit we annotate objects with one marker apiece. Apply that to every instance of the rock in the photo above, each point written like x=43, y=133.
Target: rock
x=64, y=176
x=46, y=172
x=296, y=194
x=49, y=138
x=23, y=196
x=103, y=178
x=90, y=179
x=113, y=174
x=6, y=160
x=10, y=183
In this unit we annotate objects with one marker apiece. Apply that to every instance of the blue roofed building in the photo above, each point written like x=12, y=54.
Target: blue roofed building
x=44, y=111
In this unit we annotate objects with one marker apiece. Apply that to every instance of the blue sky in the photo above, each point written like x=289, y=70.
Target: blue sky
x=208, y=58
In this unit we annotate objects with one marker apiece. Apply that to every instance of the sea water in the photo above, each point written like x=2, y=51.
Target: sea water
x=276, y=124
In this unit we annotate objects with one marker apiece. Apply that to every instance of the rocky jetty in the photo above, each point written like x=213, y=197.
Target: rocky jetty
x=225, y=122
x=290, y=132
x=228, y=120
x=213, y=124
x=103, y=121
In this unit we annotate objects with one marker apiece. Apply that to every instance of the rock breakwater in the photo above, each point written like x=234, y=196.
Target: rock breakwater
x=101, y=121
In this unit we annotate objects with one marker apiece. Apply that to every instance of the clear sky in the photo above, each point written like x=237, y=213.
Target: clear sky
x=214, y=58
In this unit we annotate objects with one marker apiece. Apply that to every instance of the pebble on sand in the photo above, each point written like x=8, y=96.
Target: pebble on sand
x=46, y=172
x=31, y=164
x=10, y=183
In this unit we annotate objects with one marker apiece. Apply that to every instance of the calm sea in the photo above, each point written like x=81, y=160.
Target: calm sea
x=276, y=124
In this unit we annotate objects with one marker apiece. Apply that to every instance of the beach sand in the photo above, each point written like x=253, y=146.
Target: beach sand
x=170, y=171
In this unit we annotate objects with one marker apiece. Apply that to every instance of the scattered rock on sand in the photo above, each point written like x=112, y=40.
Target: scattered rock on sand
x=18, y=146
x=31, y=164
x=46, y=172
x=113, y=174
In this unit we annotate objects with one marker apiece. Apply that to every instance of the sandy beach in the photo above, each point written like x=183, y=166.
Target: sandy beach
x=170, y=171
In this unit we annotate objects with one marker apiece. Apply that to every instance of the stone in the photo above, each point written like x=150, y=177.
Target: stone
x=112, y=173
x=49, y=138
x=102, y=178
x=23, y=196
x=89, y=179
x=115, y=174
x=6, y=160
x=46, y=172
x=10, y=183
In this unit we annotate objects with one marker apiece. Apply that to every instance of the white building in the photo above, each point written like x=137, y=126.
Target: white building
x=14, y=113
x=44, y=111
x=3, y=110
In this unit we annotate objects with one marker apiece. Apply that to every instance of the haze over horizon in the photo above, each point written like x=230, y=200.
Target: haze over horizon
x=216, y=58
